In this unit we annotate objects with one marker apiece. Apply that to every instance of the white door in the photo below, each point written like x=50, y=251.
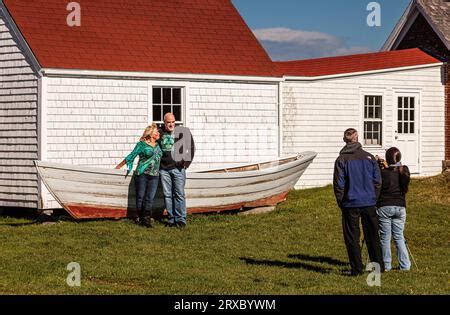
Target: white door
x=406, y=129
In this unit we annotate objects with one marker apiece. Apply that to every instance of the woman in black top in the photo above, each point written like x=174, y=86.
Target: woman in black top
x=391, y=209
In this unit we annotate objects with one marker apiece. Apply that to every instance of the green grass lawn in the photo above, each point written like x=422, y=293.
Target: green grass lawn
x=297, y=249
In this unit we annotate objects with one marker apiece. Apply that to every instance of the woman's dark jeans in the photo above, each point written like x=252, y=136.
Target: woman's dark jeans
x=146, y=187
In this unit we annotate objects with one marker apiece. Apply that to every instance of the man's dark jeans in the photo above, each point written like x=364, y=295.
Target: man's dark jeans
x=350, y=224
x=146, y=187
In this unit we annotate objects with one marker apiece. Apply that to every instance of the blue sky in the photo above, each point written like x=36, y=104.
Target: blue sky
x=301, y=29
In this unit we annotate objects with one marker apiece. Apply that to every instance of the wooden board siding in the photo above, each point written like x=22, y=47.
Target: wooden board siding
x=315, y=115
x=18, y=124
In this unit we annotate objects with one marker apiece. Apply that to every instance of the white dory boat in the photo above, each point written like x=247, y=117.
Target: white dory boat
x=88, y=193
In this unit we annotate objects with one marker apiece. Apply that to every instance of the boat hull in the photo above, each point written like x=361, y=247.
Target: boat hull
x=92, y=193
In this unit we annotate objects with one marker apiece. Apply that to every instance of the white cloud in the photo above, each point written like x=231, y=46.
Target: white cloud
x=288, y=44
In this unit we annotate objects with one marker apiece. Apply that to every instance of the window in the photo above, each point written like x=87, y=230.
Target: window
x=167, y=100
x=405, y=115
x=373, y=131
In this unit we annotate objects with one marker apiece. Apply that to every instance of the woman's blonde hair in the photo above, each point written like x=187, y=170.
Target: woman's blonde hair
x=148, y=131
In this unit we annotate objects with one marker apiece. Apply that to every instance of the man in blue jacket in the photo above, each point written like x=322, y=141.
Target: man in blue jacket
x=357, y=184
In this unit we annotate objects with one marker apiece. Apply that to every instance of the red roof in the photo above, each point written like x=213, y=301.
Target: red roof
x=355, y=63
x=182, y=36
x=171, y=36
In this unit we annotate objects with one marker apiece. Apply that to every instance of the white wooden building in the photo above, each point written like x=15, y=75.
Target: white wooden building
x=389, y=105
x=83, y=95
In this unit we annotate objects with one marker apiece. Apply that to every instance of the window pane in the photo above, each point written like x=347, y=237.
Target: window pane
x=400, y=127
x=411, y=102
x=411, y=115
x=167, y=109
x=380, y=136
x=177, y=112
x=167, y=100
x=176, y=99
x=157, y=95
x=400, y=116
x=378, y=112
x=366, y=133
x=157, y=113
x=400, y=102
x=406, y=103
x=378, y=100
x=405, y=128
x=167, y=96
x=373, y=109
x=372, y=133
x=411, y=127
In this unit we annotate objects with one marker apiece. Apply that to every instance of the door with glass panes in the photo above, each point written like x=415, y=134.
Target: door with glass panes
x=406, y=129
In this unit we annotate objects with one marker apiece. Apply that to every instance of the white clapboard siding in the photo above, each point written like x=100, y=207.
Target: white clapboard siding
x=18, y=124
x=315, y=115
x=93, y=121
x=233, y=123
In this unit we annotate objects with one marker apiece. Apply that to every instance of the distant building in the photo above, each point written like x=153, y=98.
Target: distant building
x=426, y=24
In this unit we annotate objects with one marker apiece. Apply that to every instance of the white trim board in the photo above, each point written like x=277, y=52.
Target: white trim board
x=158, y=76
x=42, y=137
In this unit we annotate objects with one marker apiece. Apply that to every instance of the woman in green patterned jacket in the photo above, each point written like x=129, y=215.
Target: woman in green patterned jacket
x=146, y=173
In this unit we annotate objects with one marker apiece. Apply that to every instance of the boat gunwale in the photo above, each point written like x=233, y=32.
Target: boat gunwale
x=305, y=157
x=257, y=181
x=190, y=191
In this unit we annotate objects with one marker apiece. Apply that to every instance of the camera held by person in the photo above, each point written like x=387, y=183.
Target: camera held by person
x=381, y=162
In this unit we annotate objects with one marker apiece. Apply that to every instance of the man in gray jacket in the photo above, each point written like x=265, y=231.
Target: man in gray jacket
x=178, y=149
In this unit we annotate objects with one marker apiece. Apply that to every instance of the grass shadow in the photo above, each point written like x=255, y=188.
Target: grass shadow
x=345, y=271
x=277, y=263
x=39, y=219
x=320, y=259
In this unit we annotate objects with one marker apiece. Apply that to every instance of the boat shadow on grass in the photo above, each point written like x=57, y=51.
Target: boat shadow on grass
x=37, y=218
x=302, y=264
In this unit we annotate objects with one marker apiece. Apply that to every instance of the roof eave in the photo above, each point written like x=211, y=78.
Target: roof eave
x=351, y=74
x=392, y=39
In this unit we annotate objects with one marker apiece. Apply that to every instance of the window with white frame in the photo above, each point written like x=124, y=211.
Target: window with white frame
x=373, y=120
x=405, y=115
x=167, y=100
